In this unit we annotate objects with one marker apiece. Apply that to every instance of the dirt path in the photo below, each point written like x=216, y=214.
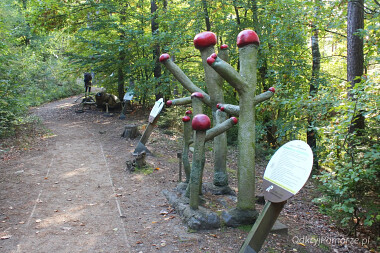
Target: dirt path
x=71, y=202
x=70, y=192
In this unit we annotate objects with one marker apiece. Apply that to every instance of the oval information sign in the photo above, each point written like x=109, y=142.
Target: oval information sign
x=156, y=109
x=287, y=171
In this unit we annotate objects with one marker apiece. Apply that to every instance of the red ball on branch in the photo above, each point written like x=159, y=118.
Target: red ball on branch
x=197, y=95
x=247, y=37
x=224, y=46
x=271, y=89
x=201, y=122
x=164, y=57
x=186, y=119
x=210, y=60
x=169, y=103
x=204, y=39
x=188, y=112
x=235, y=120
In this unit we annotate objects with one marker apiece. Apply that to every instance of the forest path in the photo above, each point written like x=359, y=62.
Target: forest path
x=69, y=191
x=72, y=201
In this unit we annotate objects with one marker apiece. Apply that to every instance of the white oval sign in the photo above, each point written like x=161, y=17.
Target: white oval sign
x=287, y=171
x=156, y=109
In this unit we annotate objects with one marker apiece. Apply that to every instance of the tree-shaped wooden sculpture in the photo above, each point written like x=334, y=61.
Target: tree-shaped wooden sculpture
x=201, y=123
x=245, y=84
x=205, y=42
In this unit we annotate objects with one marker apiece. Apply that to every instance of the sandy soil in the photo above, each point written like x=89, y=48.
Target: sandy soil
x=70, y=192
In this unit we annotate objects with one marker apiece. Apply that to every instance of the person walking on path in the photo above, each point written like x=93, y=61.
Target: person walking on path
x=87, y=83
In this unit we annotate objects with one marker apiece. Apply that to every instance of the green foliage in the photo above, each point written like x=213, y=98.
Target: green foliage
x=32, y=70
x=170, y=120
x=45, y=46
x=350, y=184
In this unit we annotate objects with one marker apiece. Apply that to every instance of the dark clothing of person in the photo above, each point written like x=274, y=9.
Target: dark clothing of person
x=88, y=86
x=87, y=82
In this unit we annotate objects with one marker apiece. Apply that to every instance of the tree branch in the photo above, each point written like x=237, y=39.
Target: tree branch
x=342, y=35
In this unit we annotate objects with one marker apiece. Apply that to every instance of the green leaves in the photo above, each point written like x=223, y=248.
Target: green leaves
x=352, y=181
x=53, y=42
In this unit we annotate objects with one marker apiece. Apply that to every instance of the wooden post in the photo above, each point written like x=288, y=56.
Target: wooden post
x=262, y=227
x=179, y=156
x=144, y=138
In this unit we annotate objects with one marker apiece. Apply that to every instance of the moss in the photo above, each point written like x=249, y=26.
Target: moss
x=245, y=228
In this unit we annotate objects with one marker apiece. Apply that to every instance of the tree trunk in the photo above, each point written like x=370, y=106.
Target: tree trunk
x=236, y=13
x=355, y=56
x=313, y=86
x=156, y=47
x=120, y=72
x=207, y=19
x=120, y=77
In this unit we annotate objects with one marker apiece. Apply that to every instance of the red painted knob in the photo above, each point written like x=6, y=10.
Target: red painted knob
x=189, y=112
x=224, y=46
x=169, y=103
x=186, y=119
x=201, y=122
x=210, y=60
x=247, y=37
x=218, y=105
x=204, y=39
x=272, y=89
x=164, y=57
x=222, y=108
x=197, y=95
x=235, y=120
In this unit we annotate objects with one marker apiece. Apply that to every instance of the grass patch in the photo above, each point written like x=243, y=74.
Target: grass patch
x=245, y=228
x=145, y=170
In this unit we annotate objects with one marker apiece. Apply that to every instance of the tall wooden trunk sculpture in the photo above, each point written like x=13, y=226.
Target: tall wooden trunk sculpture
x=205, y=43
x=245, y=84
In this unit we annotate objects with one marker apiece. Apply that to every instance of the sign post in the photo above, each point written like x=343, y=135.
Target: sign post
x=285, y=174
x=153, y=118
x=128, y=96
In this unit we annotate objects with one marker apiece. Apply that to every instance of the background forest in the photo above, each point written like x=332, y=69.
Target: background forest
x=321, y=56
